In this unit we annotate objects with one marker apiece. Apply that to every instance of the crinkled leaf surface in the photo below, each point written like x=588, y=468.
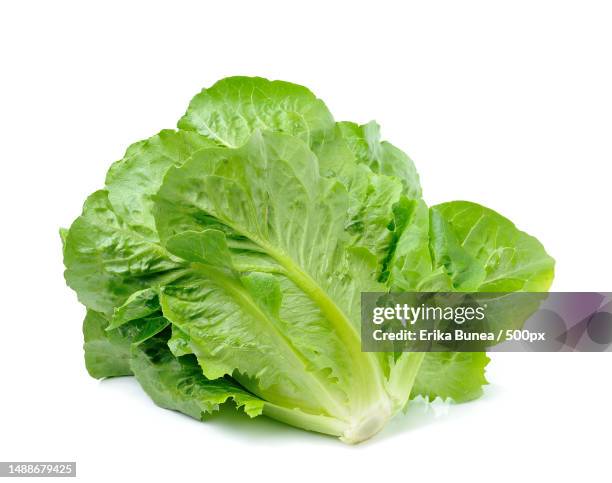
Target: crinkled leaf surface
x=177, y=383
x=305, y=344
x=455, y=375
x=229, y=111
x=478, y=250
x=134, y=180
x=505, y=259
x=106, y=261
x=381, y=156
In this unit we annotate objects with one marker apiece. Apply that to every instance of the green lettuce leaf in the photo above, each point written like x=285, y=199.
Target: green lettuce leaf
x=178, y=384
x=451, y=375
x=478, y=250
x=138, y=305
x=232, y=109
x=106, y=261
x=107, y=353
x=381, y=156
x=293, y=218
x=133, y=181
x=495, y=255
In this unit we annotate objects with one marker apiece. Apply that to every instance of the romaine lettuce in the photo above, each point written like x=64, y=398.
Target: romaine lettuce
x=225, y=261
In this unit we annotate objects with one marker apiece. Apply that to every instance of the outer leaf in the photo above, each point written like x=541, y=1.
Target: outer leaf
x=381, y=156
x=510, y=259
x=178, y=383
x=479, y=250
x=270, y=194
x=272, y=342
x=242, y=313
x=107, y=353
x=106, y=261
x=132, y=181
x=112, y=250
x=232, y=109
x=455, y=375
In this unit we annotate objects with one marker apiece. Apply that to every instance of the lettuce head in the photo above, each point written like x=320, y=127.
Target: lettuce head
x=224, y=261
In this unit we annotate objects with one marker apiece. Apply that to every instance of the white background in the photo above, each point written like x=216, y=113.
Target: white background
x=505, y=103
